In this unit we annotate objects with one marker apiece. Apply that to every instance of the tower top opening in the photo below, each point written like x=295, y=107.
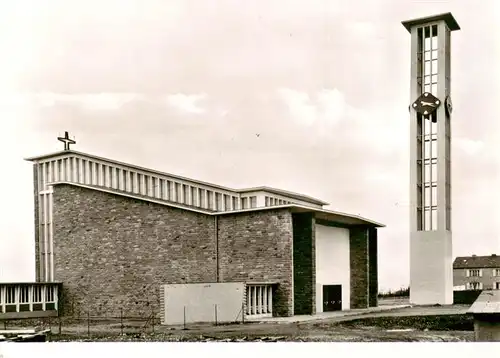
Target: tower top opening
x=447, y=17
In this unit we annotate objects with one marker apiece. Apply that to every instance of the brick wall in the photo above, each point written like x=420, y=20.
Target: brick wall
x=257, y=247
x=373, y=267
x=114, y=252
x=364, y=267
x=304, y=263
x=358, y=242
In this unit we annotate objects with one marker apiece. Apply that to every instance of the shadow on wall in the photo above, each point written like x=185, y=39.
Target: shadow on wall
x=466, y=297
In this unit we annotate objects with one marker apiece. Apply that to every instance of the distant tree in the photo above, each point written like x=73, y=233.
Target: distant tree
x=402, y=292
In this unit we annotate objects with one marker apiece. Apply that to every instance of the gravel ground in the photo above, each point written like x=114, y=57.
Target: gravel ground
x=414, y=324
x=436, y=328
x=275, y=333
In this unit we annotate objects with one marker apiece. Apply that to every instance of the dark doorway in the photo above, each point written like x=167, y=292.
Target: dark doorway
x=332, y=298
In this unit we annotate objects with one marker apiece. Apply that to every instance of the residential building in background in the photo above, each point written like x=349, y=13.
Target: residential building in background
x=476, y=273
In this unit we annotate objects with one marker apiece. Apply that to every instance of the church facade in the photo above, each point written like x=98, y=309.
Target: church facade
x=112, y=233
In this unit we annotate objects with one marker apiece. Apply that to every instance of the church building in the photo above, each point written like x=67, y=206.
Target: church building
x=113, y=233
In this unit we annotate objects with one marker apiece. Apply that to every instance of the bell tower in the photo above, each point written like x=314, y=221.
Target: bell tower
x=431, y=260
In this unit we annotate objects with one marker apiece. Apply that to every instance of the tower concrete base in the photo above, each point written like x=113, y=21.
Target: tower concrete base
x=431, y=268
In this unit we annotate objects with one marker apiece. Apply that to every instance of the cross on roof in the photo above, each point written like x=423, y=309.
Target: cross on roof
x=66, y=140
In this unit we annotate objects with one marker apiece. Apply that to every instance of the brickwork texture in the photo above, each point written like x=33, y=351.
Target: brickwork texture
x=257, y=247
x=304, y=274
x=373, y=267
x=358, y=242
x=112, y=253
x=363, y=262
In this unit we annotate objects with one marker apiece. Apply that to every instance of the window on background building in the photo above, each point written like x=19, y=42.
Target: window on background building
x=118, y=178
x=201, y=198
x=497, y=285
x=474, y=286
x=210, y=199
x=218, y=201
x=24, y=294
x=49, y=293
x=185, y=194
x=37, y=294
x=496, y=272
x=10, y=295
x=124, y=180
x=147, y=186
x=474, y=273
x=194, y=192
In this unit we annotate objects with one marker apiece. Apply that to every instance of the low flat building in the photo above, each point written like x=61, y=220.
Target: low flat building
x=486, y=311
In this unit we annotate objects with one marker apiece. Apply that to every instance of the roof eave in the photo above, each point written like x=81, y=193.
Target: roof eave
x=447, y=17
x=284, y=193
x=44, y=156
x=334, y=215
x=136, y=197
x=355, y=219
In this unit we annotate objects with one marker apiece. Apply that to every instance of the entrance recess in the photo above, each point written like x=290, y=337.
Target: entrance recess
x=332, y=298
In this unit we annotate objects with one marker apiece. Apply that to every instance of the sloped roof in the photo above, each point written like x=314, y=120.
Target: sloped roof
x=492, y=261
x=487, y=302
x=337, y=217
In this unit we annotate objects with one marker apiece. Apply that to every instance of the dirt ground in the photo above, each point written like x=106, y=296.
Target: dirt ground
x=311, y=332
x=411, y=324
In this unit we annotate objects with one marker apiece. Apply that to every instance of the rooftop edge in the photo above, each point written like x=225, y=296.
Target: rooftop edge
x=334, y=215
x=292, y=195
x=447, y=17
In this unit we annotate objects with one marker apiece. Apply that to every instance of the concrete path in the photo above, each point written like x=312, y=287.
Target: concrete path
x=381, y=311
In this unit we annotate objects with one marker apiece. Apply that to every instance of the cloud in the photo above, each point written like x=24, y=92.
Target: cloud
x=326, y=106
x=12, y=99
x=111, y=101
x=469, y=146
x=187, y=102
x=299, y=105
x=90, y=101
x=362, y=29
x=330, y=116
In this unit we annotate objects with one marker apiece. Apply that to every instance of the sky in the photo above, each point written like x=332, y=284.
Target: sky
x=185, y=87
